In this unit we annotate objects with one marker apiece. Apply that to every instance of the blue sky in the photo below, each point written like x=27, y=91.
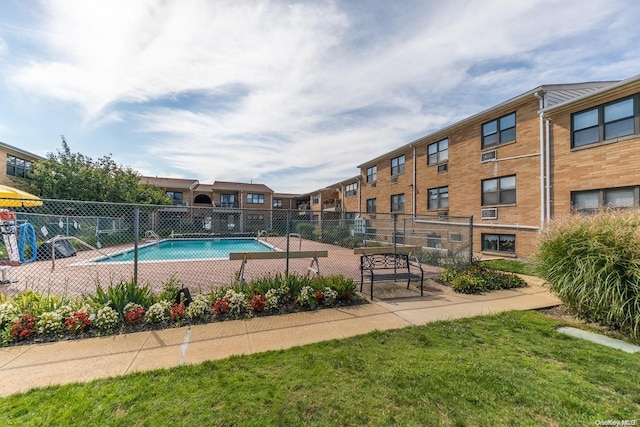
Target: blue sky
x=293, y=95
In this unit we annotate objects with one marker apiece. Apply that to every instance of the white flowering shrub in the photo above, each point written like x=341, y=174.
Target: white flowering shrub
x=275, y=297
x=330, y=296
x=74, y=305
x=237, y=302
x=50, y=322
x=158, y=312
x=8, y=312
x=198, y=308
x=106, y=318
x=307, y=296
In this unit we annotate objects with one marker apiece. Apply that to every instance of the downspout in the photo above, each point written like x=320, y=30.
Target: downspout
x=359, y=195
x=413, y=186
x=540, y=97
x=548, y=166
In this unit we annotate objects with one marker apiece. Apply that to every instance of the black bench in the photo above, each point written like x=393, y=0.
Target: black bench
x=390, y=266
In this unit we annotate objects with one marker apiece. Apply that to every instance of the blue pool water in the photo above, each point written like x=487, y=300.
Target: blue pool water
x=190, y=249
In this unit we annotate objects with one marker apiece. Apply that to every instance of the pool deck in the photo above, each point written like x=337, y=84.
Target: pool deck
x=39, y=365
x=77, y=275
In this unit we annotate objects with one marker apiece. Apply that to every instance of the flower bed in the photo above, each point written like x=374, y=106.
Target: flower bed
x=33, y=317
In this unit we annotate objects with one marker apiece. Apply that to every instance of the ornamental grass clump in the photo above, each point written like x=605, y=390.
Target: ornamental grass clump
x=593, y=264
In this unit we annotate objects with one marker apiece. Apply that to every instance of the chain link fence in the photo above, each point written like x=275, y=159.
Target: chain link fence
x=71, y=247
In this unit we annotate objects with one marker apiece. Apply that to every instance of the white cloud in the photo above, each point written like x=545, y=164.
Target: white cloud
x=289, y=87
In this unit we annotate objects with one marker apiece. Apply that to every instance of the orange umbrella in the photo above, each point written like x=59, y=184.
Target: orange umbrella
x=14, y=198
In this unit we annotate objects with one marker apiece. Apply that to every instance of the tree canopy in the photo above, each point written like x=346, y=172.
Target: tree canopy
x=74, y=176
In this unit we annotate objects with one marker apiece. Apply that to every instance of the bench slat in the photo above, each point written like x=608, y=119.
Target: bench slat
x=277, y=255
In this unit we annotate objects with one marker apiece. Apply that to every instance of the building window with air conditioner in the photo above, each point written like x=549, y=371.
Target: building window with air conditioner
x=438, y=152
x=372, y=174
x=397, y=165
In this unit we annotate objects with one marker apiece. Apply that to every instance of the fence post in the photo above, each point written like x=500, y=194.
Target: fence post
x=394, y=219
x=286, y=271
x=470, y=239
x=136, y=228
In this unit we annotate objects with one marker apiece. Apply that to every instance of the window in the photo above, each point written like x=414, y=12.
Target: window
x=608, y=121
x=316, y=199
x=499, y=191
x=351, y=190
x=397, y=203
x=372, y=174
x=438, y=152
x=434, y=240
x=438, y=198
x=227, y=200
x=277, y=203
x=499, y=131
x=255, y=199
x=18, y=167
x=397, y=165
x=371, y=206
x=176, y=197
x=591, y=200
x=499, y=242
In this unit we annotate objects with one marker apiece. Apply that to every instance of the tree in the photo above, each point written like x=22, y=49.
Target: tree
x=74, y=176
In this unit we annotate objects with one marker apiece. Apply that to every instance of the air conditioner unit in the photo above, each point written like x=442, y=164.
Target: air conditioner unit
x=394, y=179
x=489, y=156
x=489, y=213
x=373, y=184
x=443, y=167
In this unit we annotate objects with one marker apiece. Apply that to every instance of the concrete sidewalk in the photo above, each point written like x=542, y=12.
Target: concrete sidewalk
x=25, y=367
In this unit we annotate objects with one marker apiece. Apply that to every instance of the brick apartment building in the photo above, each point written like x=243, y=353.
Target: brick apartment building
x=545, y=153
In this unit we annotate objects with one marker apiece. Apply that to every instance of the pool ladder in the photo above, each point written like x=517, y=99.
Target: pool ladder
x=150, y=234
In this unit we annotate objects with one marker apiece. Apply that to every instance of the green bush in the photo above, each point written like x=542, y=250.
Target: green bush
x=118, y=296
x=593, y=264
x=476, y=277
x=305, y=230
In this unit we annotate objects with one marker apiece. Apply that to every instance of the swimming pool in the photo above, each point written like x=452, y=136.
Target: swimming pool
x=189, y=249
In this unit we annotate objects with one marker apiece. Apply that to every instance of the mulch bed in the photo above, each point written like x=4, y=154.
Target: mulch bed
x=144, y=326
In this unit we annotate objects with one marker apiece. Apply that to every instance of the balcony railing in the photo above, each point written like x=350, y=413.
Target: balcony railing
x=227, y=205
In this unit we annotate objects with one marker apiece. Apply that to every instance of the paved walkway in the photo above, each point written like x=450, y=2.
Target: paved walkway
x=24, y=367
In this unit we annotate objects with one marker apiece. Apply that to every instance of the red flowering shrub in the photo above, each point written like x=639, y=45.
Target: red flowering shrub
x=178, y=311
x=78, y=321
x=23, y=328
x=133, y=315
x=221, y=306
x=257, y=302
x=319, y=297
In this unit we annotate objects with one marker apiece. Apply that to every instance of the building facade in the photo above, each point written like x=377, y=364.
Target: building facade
x=18, y=164
x=549, y=152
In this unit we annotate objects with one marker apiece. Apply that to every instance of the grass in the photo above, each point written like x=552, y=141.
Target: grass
x=507, y=369
x=508, y=265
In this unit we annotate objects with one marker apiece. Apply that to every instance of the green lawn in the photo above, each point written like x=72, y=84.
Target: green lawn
x=508, y=265
x=508, y=369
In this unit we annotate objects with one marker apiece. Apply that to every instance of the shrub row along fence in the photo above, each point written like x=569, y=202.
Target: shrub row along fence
x=71, y=247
